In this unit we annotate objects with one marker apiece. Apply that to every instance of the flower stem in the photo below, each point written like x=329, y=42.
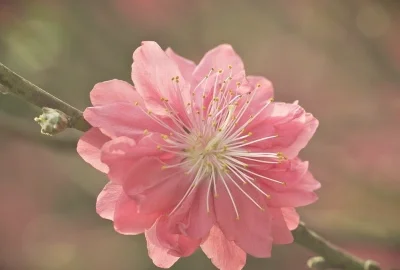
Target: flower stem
x=24, y=89
x=330, y=255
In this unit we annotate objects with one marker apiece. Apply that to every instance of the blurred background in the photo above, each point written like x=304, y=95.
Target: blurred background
x=340, y=59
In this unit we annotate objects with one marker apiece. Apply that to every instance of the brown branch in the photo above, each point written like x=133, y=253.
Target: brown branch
x=24, y=89
x=331, y=256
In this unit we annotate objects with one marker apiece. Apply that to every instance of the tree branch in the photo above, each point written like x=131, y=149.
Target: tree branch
x=24, y=89
x=331, y=256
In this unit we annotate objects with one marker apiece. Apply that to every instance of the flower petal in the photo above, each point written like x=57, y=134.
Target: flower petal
x=114, y=91
x=280, y=231
x=152, y=73
x=121, y=153
x=122, y=119
x=160, y=256
x=107, y=199
x=294, y=126
x=220, y=57
x=127, y=220
x=160, y=234
x=252, y=231
x=291, y=217
x=298, y=188
x=89, y=146
x=224, y=254
x=185, y=66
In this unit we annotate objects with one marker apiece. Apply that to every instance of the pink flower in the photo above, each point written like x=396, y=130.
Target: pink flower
x=199, y=156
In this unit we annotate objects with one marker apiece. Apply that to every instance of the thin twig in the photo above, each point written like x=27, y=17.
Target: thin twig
x=24, y=89
x=333, y=255
x=330, y=254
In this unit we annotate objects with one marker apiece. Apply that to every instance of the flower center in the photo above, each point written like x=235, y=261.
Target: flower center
x=210, y=140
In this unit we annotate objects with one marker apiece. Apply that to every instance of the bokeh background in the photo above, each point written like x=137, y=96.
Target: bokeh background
x=339, y=58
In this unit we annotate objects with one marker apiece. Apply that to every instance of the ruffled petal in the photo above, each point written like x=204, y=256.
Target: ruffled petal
x=224, y=254
x=251, y=231
x=298, y=188
x=290, y=122
x=152, y=73
x=280, y=231
x=127, y=220
x=114, y=91
x=291, y=217
x=122, y=119
x=185, y=66
x=89, y=146
x=221, y=57
x=160, y=256
x=107, y=199
x=164, y=234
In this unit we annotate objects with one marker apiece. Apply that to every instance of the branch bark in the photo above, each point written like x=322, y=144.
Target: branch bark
x=24, y=89
x=330, y=255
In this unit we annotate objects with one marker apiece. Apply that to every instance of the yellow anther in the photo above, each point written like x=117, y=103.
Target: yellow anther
x=173, y=79
x=258, y=85
x=204, y=96
x=198, y=112
x=209, y=115
x=216, y=195
x=271, y=100
x=237, y=218
x=136, y=103
x=159, y=147
x=220, y=129
x=149, y=112
x=188, y=104
x=204, y=107
x=251, y=116
x=230, y=67
x=225, y=148
x=164, y=136
x=216, y=99
x=220, y=71
x=145, y=132
x=250, y=133
x=212, y=69
x=238, y=84
x=163, y=167
x=164, y=99
x=268, y=196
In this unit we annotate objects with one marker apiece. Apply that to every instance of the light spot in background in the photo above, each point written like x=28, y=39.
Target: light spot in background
x=373, y=21
x=47, y=247
x=34, y=45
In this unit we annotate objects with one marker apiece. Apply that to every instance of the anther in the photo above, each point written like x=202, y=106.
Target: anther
x=145, y=132
x=230, y=67
x=136, y=103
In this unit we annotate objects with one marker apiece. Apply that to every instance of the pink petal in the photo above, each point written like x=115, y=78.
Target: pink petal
x=280, y=231
x=122, y=119
x=220, y=57
x=160, y=234
x=294, y=126
x=160, y=256
x=185, y=66
x=252, y=231
x=89, y=146
x=152, y=73
x=291, y=217
x=299, y=187
x=114, y=91
x=199, y=219
x=224, y=254
x=127, y=220
x=107, y=200
x=148, y=172
x=121, y=153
